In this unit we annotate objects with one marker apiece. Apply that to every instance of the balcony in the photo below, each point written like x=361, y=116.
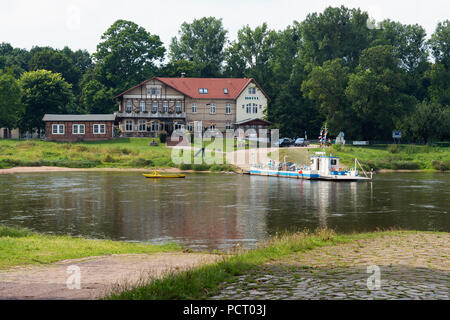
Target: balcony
x=150, y=115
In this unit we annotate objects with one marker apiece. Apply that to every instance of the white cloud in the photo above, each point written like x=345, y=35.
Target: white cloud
x=25, y=23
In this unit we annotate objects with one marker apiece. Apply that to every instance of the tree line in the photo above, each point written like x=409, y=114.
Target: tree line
x=337, y=68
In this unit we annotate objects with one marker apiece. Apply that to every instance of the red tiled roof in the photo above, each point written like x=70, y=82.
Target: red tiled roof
x=190, y=87
x=215, y=86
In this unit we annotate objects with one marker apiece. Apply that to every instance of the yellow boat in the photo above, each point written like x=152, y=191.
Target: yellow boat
x=156, y=175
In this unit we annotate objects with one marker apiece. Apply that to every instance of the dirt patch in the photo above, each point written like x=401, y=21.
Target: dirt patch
x=99, y=275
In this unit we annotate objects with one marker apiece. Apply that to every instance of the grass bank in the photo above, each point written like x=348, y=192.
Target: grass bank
x=392, y=157
x=117, y=153
x=206, y=281
x=24, y=247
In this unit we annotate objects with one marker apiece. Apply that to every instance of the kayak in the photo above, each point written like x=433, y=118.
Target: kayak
x=159, y=176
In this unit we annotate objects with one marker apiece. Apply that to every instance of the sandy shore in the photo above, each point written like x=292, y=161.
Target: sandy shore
x=60, y=169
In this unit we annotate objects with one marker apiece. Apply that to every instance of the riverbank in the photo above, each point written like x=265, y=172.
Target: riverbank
x=295, y=266
x=22, y=247
x=382, y=158
x=133, y=154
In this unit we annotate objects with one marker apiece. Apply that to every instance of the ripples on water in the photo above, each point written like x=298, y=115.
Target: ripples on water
x=208, y=211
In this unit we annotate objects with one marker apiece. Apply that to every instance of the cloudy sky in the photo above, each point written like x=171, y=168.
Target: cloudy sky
x=79, y=24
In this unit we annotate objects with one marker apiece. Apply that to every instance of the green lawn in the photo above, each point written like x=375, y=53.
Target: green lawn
x=23, y=247
x=378, y=157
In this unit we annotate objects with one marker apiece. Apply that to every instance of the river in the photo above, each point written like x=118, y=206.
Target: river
x=218, y=211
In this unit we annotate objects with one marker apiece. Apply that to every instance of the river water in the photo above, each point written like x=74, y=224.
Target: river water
x=218, y=211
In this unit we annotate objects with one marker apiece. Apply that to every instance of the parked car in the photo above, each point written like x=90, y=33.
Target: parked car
x=301, y=142
x=284, y=142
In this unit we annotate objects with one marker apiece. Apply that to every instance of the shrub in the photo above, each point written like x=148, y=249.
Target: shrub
x=185, y=166
x=200, y=167
x=337, y=147
x=407, y=165
x=163, y=136
x=109, y=158
x=411, y=149
x=141, y=162
x=441, y=165
x=393, y=148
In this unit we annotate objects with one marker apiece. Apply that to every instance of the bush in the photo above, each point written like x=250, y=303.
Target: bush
x=411, y=149
x=441, y=165
x=393, y=148
x=163, y=136
x=109, y=158
x=222, y=167
x=185, y=166
x=141, y=162
x=406, y=165
x=200, y=167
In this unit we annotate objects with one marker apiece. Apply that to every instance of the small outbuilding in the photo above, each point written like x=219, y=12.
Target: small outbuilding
x=79, y=127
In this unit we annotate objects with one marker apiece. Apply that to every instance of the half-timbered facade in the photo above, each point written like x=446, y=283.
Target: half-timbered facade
x=166, y=104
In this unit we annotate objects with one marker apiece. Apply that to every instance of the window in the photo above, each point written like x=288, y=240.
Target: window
x=155, y=107
x=78, y=129
x=249, y=108
x=165, y=106
x=99, y=129
x=194, y=108
x=178, y=126
x=212, y=108
x=154, y=91
x=178, y=107
x=142, y=125
x=212, y=126
x=129, y=106
x=252, y=90
x=155, y=126
x=203, y=90
x=255, y=108
x=228, y=108
x=225, y=90
x=58, y=129
x=228, y=125
x=142, y=106
x=129, y=125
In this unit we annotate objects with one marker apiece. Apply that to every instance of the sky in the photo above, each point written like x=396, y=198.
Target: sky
x=79, y=24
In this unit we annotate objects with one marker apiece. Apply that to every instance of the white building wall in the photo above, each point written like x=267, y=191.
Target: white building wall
x=245, y=98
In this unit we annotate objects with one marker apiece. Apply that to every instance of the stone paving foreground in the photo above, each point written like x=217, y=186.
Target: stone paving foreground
x=412, y=266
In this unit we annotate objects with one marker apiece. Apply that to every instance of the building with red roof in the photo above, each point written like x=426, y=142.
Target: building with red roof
x=165, y=104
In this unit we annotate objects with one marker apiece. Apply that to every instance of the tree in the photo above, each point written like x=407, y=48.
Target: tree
x=428, y=121
x=326, y=86
x=335, y=33
x=440, y=43
x=43, y=92
x=10, y=100
x=127, y=55
x=249, y=56
x=97, y=99
x=375, y=91
x=201, y=42
x=52, y=60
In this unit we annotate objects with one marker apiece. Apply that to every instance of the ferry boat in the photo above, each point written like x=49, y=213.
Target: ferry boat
x=322, y=168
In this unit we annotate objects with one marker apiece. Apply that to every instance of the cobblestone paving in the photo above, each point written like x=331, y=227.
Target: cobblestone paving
x=411, y=267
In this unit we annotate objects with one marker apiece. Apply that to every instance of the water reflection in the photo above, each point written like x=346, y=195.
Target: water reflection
x=218, y=211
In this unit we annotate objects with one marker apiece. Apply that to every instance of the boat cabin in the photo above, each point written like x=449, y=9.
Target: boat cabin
x=325, y=165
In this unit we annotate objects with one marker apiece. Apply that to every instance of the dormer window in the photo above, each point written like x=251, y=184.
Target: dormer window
x=203, y=90
x=225, y=90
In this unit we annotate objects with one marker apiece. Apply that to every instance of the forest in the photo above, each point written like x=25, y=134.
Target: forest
x=337, y=68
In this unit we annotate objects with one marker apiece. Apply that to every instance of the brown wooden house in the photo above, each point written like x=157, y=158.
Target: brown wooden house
x=85, y=127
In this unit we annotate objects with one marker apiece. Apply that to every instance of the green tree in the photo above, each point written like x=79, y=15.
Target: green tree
x=10, y=100
x=250, y=55
x=201, y=42
x=97, y=99
x=326, y=86
x=127, y=55
x=43, y=92
x=440, y=43
x=376, y=93
x=335, y=33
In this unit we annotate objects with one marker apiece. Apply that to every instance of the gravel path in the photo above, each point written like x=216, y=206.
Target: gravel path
x=99, y=275
x=411, y=266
